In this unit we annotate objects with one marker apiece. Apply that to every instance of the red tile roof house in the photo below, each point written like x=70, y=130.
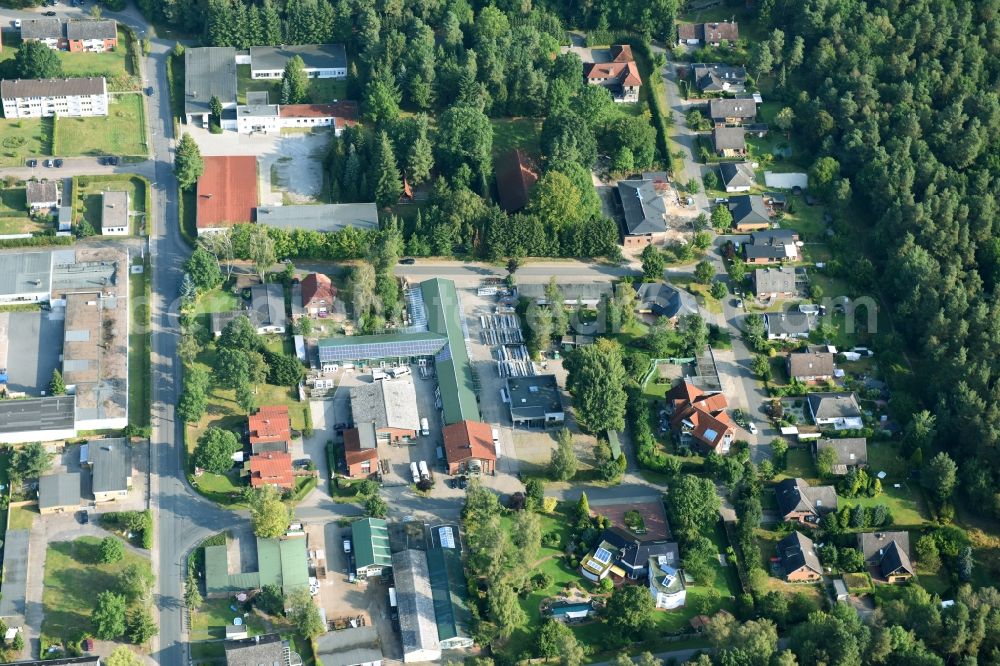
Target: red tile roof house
x=270, y=429
x=701, y=417
x=272, y=469
x=621, y=75
x=515, y=177
x=318, y=294
x=361, y=450
x=227, y=193
x=468, y=444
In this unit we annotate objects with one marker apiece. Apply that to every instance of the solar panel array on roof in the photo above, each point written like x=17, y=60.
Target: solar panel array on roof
x=602, y=555
x=447, y=536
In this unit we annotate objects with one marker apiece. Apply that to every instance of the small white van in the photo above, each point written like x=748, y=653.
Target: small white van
x=425, y=428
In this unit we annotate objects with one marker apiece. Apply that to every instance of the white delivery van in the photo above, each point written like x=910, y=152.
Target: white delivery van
x=415, y=472
x=496, y=435
x=425, y=428
x=424, y=472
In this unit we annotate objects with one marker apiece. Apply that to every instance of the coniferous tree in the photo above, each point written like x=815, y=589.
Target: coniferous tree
x=420, y=158
x=388, y=186
x=271, y=33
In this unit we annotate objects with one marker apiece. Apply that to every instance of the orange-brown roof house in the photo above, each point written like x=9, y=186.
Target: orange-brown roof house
x=467, y=443
x=227, y=192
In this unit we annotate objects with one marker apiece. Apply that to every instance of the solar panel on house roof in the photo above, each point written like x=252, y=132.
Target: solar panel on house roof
x=602, y=555
x=447, y=537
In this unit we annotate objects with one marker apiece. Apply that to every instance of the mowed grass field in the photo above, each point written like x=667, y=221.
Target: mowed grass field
x=21, y=138
x=121, y=132
x=14, y=215
x=74, y=576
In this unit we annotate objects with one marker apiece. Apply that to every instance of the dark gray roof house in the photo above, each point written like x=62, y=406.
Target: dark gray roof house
x=348, y=647
x=39, y=419
x=208, y=72
x=314, y=56
x=850, y=452
x=732, y=111
x=42, y=29
x=73, y=87
x=643, y=205
x=774, y=281
x=749, y=212
x=787, y=325
x=41, y=193
x=85, y=30
x=889, y=552
x=737, y=176
x=588, y=293
x=268, y=300
x=717, y=78
x=535, y=401
x=771, y=246
x=729, y=140
x=111, y=462
x=828, y=406
x=810, y=365
x=266, y=650
x=664, y=300
x=326, y=218
x=58, y=491
x=797, y=552
x=798, y=500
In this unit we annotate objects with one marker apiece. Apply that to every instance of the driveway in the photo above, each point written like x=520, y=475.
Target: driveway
x=686, y=140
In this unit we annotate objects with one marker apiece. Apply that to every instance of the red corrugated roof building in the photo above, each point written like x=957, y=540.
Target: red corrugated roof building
x=227, y=192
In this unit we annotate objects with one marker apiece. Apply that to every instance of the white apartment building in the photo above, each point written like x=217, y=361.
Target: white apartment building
x=37, y=98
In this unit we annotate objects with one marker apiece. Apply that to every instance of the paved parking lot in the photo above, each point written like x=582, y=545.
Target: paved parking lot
x=343, y=600
x=34, y=343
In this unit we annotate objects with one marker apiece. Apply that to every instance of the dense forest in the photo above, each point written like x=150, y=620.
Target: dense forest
x=903, y=95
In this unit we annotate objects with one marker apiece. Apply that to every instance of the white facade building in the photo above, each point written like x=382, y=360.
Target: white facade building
x=38, y=98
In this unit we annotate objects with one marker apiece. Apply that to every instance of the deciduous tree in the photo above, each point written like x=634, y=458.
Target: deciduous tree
x=108, y=617
x=563, y=463
x=268, y=514
x=597, y=381
x=214, y=450
x=35, y=60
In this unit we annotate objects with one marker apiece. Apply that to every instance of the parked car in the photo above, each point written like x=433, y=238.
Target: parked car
x=149, y=91
x=47, y=163
x=17, y=23
x=752, y=427
x=49, y=13
x=84, y=517
x=102, y=160
x=408, y=261
x=114, y=161
x=31, y=163
x=57, y=163
x=347, y=545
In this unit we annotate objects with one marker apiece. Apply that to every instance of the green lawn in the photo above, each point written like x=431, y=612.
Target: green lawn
x=214, y=615
x=510, y=133
x=24, y=138
x=109, y=64
x=906, y=503
x=74, y=576
x=321, y=91
x=800, y=464
x=14, y=217
x=139, y=350
x=87, y=201
x=21, y=517
x=121, y=132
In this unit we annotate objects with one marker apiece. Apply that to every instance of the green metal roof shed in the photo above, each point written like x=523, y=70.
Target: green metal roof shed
x=283, y=563
x=371, y=544
x=444, y=317
x=216, y=570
